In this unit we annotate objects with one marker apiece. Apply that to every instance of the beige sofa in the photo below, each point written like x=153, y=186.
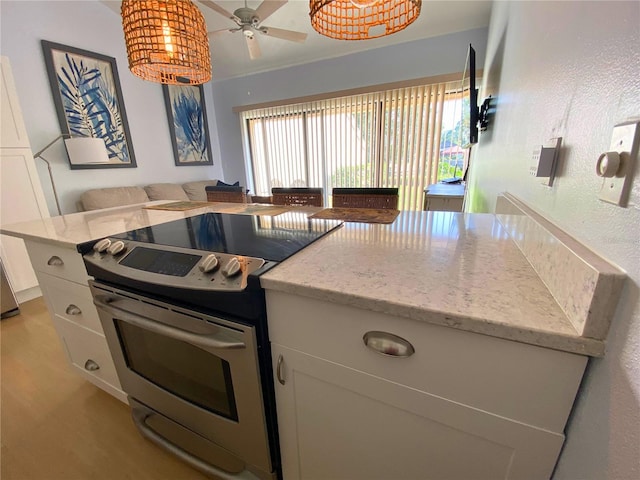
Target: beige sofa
x=117, y=196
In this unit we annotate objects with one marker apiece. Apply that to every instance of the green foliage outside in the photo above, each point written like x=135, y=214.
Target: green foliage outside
x=446, y=170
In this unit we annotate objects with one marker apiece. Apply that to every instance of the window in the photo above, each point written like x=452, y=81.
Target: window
x=406, y=138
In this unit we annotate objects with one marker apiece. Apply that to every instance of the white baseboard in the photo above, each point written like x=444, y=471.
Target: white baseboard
x=28, y=294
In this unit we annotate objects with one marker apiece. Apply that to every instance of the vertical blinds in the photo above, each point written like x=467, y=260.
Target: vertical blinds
x=383, y=139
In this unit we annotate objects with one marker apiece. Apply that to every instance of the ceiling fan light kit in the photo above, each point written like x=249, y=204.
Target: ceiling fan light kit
x=166, y=41
x=362, y=19
x=249, y=21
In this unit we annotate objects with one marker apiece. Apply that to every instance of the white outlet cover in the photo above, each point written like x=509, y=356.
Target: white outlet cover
x=624, y=140
x=548, y=154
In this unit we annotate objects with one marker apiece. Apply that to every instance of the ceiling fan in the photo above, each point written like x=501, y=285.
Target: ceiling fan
x=249, y=21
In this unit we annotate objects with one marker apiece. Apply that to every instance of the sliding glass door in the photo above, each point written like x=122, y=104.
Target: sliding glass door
x=396, y=138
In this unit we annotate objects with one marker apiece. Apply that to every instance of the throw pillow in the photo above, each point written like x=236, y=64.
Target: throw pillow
x=222, y=184
x=237, y=184
x=166, y=191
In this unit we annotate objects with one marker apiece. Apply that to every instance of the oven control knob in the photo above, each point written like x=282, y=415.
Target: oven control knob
x=209, y=263
x=116, y=247
x=102, y=245
x=231, y=268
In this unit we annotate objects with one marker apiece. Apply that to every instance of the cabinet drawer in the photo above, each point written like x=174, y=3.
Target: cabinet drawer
x=444, y=204
x=88, y=352
x=70, y=301
x=58, y=261
x=523, y=382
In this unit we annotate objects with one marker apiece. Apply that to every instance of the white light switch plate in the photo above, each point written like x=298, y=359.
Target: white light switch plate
x=624, y=140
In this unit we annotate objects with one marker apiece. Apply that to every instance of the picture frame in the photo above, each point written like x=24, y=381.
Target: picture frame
x=187, y=116
x=88, y=99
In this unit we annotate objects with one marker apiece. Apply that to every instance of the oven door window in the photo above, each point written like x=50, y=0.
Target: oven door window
x=185, y=370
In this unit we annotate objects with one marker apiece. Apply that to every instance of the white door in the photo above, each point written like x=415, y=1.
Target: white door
x=339, y=423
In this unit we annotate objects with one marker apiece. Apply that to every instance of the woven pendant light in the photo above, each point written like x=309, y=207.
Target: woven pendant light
x=166, y=41
x=362, y=19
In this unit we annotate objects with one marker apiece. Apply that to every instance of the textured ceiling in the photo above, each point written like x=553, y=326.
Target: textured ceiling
x=230, y=57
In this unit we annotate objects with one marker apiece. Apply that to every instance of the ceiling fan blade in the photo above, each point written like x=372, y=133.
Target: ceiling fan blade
x=215, y=33
x=254, y=47
x=284, y=34
x=220, y=10
x=268, y=7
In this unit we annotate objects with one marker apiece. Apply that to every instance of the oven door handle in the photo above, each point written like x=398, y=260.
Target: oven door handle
x=139, y=417
x=217, y=341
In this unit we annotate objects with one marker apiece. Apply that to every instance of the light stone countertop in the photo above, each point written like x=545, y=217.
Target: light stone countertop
x=76, y=228
x=458, y=270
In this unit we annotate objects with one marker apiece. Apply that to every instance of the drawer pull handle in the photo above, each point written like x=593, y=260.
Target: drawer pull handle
x=55, y=261
x=388, y=344
x=91, y=366
x=279, y=370
x=73, y=310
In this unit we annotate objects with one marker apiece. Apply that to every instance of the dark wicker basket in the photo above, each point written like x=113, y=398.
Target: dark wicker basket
x=261, y=199
x=386, y=198
x=297, y=196
x=226, y=194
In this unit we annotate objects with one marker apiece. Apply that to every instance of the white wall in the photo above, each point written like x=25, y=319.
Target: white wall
x=90, y=25
x=421, y=58
x=572, y=69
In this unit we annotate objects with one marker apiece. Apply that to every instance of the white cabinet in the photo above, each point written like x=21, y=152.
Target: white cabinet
x=63, y=280
x=444, y=197
x=35, y=267
x=20, y=189
x=462, y=406
x=444, y=204
x=340, y=423
x=14, y=133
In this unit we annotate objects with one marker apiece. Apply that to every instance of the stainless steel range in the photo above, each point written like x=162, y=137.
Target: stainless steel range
x=184, y=316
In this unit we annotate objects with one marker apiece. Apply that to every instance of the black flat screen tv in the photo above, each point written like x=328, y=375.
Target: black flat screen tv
x=470, y=95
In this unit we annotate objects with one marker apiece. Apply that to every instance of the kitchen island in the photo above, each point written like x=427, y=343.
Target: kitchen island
x=490, y=350
x=443, y=343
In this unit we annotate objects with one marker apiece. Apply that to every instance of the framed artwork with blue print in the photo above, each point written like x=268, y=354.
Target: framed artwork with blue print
x=88, y=99
x=188, y=124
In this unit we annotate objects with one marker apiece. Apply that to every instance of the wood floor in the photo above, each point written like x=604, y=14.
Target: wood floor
x=55, y=425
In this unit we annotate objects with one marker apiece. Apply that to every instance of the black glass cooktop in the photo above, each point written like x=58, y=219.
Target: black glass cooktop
x=270, y=238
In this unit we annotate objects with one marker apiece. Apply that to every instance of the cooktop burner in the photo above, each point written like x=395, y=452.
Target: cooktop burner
x=270, y=238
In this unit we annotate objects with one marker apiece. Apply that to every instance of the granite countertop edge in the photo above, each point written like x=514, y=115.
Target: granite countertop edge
x=54, y=232
x=554, y=340
x=72, y=245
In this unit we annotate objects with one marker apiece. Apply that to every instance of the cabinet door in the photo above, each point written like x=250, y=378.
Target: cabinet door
x=17, y=265
x=20, y=192
x=22, y=198
x=444, y=204
x=14, y=133
x=339, y=423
